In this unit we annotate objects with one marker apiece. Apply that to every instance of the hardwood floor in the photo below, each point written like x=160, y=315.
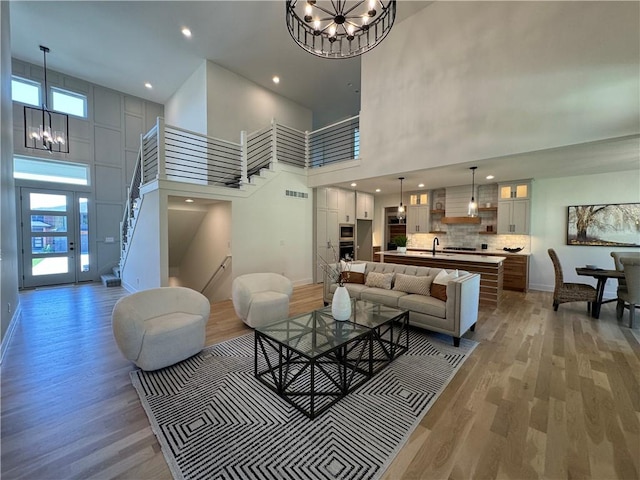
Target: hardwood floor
x=545, y=394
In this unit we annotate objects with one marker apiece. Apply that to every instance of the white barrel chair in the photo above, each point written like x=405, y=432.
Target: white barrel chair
x=162, y=326
x=261, y=298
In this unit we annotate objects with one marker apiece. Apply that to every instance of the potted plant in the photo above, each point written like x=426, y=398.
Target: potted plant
x=401, y=243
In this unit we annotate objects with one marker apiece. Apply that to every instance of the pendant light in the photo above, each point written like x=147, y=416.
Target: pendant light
x=473, y=206
x=46, y=129
x=401, y=213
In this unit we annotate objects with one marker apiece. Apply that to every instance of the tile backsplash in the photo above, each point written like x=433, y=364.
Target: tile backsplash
x=468, y=236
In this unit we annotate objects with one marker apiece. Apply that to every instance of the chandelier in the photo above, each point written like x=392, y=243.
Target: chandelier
x=339, y=28
x=46, y=129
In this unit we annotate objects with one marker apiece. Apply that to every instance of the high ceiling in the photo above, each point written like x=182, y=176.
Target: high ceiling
x=123, y=44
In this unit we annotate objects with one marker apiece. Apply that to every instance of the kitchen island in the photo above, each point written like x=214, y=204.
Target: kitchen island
x=490, y=268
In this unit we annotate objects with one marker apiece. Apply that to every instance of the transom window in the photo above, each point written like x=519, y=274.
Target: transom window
x=27, y=168
x=25, y=91
x=68, y=102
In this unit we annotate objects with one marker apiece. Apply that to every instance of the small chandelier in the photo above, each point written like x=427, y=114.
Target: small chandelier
x=339, y=28
x=46, y=129
x=473, y=205
x=401, y=210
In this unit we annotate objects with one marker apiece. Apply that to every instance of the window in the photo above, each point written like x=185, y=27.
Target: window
x=50, y=171
x=25, y=91
x=68, y=102
x=356, y=142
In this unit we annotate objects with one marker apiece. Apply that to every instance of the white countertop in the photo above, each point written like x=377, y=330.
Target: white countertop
x=460, y=257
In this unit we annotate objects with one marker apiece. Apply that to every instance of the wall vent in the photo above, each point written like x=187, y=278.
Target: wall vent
x=292, y=193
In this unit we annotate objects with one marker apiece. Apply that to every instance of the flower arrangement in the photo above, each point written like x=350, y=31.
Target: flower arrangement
x=335, y=270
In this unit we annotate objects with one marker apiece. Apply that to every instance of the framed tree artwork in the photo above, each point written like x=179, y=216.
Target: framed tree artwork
x=610, y=225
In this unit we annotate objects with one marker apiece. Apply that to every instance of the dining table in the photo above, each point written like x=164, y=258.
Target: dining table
x=601, y=275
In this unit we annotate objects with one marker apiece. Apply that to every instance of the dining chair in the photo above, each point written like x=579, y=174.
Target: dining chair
x=565, y=292
x=631, y=296
x=622, y=283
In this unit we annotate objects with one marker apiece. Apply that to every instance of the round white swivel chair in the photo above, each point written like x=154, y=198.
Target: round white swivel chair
x=158, y=327
x=261, y=298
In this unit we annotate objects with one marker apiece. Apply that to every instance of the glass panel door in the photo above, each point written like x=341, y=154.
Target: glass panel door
x=48, y=237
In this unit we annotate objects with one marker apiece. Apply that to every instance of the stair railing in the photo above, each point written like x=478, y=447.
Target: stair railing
x=221, y=267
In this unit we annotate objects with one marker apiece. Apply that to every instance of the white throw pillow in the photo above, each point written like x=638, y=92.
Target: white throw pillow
x=439, y=285
x=353, y=267
x=443, y=277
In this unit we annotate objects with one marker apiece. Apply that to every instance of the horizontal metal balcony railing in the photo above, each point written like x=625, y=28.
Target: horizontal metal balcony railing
x=173, y=153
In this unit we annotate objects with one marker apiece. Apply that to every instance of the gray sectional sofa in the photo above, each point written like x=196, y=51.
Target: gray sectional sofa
x=454, y=317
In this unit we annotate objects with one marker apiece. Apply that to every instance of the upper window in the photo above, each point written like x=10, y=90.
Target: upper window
x=68, y=102
x=42, y=170
x=25, y=91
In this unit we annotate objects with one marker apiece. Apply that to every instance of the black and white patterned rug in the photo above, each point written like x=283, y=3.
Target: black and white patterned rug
x=214, y=420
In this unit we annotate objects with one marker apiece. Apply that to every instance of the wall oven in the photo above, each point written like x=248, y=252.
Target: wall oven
x=346, y=232
x=347, y=251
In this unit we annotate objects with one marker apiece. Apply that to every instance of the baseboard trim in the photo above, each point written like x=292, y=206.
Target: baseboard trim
x=6, y=340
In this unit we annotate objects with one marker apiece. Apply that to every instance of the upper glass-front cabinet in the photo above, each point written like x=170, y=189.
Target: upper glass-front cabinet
x=514, y=190
x=418, y=199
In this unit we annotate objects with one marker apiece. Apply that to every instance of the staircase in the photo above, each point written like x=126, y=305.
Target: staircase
x=111, y=279
x=175, y=154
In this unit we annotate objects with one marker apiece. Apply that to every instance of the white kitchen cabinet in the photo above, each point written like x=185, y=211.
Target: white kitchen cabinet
x=364, y=206
x=346, y=206
x=327, y=197
x=513, y=217
x=418, y=219
x=327, y=239
x=516, y=190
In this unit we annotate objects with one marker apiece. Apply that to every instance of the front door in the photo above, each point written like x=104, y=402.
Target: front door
x=50, y=235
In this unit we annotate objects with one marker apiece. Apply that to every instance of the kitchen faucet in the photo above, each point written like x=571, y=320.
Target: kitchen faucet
x=435, y=242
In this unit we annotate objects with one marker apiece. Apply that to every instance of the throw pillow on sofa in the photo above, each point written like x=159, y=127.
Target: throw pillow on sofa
x=413, y=284
x=379, y=280
x=439, y=285
x=352, y=277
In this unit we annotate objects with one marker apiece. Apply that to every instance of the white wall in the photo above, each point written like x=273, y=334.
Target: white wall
x=9, y=299
x=187, y=107
x=551, y=197
x=235, y=104
x=461, y=81
x=206, y=251
x=145, y=261
x=273, y=232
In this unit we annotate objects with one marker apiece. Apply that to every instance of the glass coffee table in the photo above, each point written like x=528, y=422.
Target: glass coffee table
x=312, y=360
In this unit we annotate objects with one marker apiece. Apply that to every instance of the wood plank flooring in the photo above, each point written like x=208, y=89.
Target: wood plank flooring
x=545, y=395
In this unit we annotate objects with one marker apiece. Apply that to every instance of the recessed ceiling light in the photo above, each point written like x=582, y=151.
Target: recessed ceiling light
x=276, y=79
x=189, y=200
x=421, y=185
x=378, y=190
x=186, y=32
x=490, y=177
x=354, y=184
x=148, y=85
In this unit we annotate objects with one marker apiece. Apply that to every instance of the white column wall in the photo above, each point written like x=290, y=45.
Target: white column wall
x=273, y=232
x=461, y=81
x=235, y=104
x=187, y=107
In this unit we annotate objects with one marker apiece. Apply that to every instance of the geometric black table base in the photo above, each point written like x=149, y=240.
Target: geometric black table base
x=312, y=360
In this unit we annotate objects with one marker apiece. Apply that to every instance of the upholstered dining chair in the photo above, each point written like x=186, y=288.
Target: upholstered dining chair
x=631, y=295
x=569, y=292
x=622, y=283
